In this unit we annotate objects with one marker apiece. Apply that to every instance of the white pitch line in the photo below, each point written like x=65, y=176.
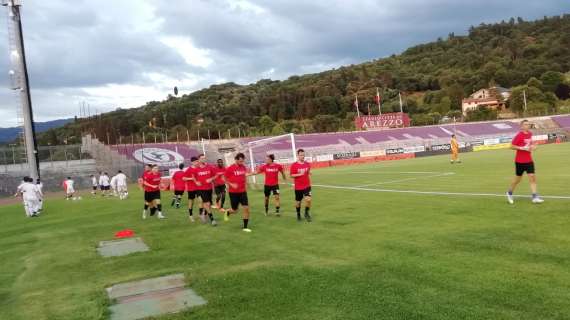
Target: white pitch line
x=382, y=172
x=406, y=179
x=391, y=172
x=439, y=193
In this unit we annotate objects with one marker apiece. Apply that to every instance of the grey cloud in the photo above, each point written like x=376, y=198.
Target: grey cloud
x=88, y=44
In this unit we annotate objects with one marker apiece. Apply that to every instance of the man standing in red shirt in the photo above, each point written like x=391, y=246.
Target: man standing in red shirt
x=191, y=186
x=220, y=185
x=236, y=179
x=524, y=147
x=151, y=185
x=271, y=185
x=301, y=171
x=204, y=175
x=179, y=186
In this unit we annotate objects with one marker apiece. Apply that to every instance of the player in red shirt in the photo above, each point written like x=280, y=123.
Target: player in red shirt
x=524, y=147
x=271, y=185
x=220, y=185
x=301, y=171
x=236, y=179
x=204, y=174
x=179, y=186
x=191, y=187
x=151, y=185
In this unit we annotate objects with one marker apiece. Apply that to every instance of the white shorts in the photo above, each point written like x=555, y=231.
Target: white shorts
x=122, y=188
x=70, y=191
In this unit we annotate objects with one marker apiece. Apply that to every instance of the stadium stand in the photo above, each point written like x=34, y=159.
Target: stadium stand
x=562, y=121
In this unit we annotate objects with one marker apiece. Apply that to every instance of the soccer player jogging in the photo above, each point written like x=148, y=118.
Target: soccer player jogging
x=121, y=182
x=191, y=187
x=454, y=150
x=31, y=195
x=271, y=185
x=69, y=187
x=104, y=183
x=113, y=184
x=524, y=147
x=151, y=185
x=220, y=185
x=300, y=171
x=94, y=184
x=40, y=187
x=179, y=186
x=236, y=178
x=204, y=175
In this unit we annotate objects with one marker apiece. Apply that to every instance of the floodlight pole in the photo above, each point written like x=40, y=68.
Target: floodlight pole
x=22, y=83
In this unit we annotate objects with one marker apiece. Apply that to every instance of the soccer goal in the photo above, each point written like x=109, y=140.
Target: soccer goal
x=283, y=147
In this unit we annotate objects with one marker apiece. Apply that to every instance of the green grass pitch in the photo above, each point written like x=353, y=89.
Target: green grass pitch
x=371, y=252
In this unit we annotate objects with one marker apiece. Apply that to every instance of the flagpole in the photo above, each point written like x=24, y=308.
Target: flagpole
x=356, y=105
x=378, y=101
x=401, y=108
x=524, y=99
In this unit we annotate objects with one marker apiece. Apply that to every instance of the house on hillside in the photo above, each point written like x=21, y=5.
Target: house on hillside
x=493, y=97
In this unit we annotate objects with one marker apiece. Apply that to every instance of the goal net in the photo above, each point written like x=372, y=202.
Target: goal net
x=282, y=147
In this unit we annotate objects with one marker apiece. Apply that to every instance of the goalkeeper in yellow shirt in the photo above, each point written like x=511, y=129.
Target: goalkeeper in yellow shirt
x=454, y=150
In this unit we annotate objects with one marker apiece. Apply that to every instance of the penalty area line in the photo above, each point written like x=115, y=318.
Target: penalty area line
x=437, y=193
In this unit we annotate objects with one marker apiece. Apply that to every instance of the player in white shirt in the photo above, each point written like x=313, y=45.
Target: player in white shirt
x=104, y=183
x=121, y=180
x=40, y=187
x=68, y=186
x=94, y=184
x=31, y=195
x=113, y=184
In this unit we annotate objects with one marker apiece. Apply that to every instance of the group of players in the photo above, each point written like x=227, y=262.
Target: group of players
x=116, y=185
x=32, y=196
x=202, y=180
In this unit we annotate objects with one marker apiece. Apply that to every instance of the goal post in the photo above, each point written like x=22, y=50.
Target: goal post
x=257, y=147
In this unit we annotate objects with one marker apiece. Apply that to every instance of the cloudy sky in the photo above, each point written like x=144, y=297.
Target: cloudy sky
x=123, y=53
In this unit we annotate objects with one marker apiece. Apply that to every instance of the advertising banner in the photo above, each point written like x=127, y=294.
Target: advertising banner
x=414, y=149
x=375, y=153
x=346, y=155
x=492, y=147
x=383, y=121
x=325, y=157
x=441, y=147
x=490, y=142
x=394, y=151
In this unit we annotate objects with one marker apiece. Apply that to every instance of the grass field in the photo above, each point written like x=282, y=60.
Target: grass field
x=371, y=252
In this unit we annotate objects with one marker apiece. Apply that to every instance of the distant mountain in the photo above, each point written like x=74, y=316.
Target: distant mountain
x=9, y=134
x=430, y=80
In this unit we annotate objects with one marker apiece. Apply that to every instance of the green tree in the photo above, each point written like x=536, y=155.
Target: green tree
x=266, y=125
x=277, y=130
x=551, y=80
x=534, y=82
x=326, y=123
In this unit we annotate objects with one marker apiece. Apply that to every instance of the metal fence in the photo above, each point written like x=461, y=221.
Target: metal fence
x=16, y=154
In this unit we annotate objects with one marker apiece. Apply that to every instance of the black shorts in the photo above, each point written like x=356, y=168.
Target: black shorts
x=268, y=190
x=150, y=196
x=220, y=189
x=301, y=194
x=94, y=188
x=521, y=168
x=105, y=188
x=192, y=194
x=179, y=192
x=205, y=195
x=238, y=198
